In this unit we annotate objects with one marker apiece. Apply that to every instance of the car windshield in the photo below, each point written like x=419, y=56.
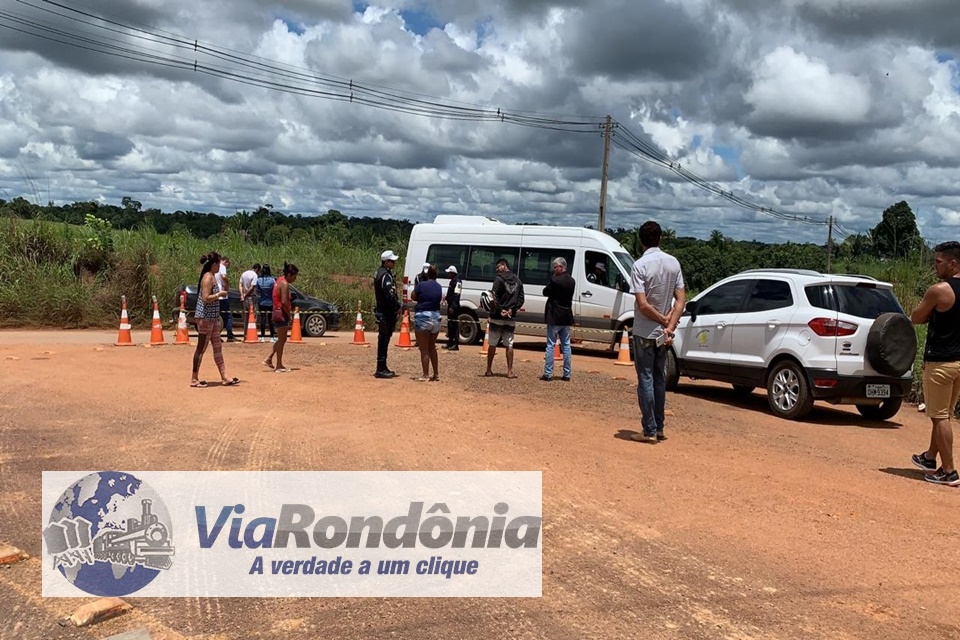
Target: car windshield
x=866, y=302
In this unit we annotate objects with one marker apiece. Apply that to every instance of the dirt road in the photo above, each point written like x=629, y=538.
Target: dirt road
x=739, y=526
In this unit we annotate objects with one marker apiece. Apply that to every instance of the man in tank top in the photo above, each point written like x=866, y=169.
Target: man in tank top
x=940, y=311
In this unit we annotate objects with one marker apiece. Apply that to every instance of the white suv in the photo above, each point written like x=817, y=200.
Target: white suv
x=801, y=335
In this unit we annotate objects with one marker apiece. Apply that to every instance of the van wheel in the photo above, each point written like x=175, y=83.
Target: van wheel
x=883, y=411
x=673, y=372
x=743, y=389
x=468, y=327
x=788, y=392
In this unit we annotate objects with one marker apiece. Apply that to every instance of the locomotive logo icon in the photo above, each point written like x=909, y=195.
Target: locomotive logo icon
x=110, y=534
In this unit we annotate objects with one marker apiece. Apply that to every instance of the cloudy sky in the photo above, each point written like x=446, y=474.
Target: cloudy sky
x=809, y=107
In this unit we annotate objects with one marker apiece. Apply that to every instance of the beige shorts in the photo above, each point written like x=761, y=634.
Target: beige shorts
x=501, y=334
x=941, y=388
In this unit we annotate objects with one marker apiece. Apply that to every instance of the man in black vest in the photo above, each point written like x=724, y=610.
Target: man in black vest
x=558, y=314
x=453, y=309
x=388, y=306
x=940, y=310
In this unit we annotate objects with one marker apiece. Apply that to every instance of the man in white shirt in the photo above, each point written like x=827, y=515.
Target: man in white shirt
x=248, y=291
x=657, y=284
x=224, y=283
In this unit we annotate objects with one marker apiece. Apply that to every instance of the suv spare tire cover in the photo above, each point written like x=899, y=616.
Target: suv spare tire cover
x=892, y=344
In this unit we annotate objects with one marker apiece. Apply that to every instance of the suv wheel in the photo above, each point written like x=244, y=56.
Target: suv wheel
x=788, y=392
x=315, y=325
x=883, y=411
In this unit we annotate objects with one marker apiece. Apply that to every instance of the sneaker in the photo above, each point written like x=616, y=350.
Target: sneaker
x=921, y=461
x=384, y=374
x=951, y=479
x=546, y=378
x=565, y=378
x=660, y=436
x=642, y=437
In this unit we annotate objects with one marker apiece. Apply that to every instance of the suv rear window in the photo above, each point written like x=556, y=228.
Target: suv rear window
x=861, y=301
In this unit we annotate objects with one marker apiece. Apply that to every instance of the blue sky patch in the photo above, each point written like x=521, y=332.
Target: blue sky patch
x=292, y=25
x=730, y=156
x=420, y=22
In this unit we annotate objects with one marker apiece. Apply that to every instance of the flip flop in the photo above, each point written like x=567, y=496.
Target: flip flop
x=512, y=376
x=200, y=384
x=435, y=379
x=281, y=370
x=268, y=363
x=231, y=383
x=488, y=375
x=422, y=379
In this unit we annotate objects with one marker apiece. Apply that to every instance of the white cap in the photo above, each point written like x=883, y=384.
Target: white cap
x=426, y=265
x=388, y=255
x=451, y=269
x=601, y=266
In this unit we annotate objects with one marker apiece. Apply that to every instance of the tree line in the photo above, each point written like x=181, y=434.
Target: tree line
x=264, y=225
x=705, y=261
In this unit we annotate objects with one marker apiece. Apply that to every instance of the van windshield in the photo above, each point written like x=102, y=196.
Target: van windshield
x=625, y=261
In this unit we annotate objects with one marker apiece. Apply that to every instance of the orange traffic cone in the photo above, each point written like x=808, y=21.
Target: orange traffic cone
x=251, y=333
x=123, y=338
x=156, y=327
x=358, y=337
x=405, y=342
x=183, y=333
x=295, y=334
x=556, y=351
x=623, y=355
x=486, y=340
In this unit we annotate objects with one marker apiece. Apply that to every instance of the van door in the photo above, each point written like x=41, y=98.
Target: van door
x=599, y=300
x=534, y=272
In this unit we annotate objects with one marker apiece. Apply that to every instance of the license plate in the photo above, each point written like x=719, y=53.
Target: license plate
x=878, y=391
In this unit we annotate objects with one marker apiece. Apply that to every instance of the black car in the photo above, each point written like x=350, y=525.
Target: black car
x=316, y=316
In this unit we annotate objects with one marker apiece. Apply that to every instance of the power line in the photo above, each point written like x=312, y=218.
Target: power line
x=259, y=72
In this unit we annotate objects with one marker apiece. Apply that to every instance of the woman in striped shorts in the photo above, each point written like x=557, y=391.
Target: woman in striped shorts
x=207, y=314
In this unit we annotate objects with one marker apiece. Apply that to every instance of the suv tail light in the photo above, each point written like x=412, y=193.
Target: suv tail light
x=831, y=327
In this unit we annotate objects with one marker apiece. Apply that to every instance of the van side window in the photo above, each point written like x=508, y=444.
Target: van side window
x=483, y=261
x=598, y=268
x=444, y=255
x=726, y=298
x=536, y=264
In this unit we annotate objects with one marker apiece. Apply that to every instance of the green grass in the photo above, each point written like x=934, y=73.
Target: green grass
x=66, y=276
x=51, y=277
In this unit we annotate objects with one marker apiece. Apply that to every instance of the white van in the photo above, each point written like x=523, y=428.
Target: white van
x=599, y=264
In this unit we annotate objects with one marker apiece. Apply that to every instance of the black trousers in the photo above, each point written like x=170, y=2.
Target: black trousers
x=453, y=327
x=385, y=326
x=266, y=318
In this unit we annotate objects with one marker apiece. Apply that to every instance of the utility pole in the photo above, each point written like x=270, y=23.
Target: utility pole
x=602, y=222
x=829, y=242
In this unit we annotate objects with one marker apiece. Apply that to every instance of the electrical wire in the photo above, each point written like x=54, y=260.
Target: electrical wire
x=90, y=29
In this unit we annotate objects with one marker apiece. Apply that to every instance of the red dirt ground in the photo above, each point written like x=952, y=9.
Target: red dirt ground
x=740, y=525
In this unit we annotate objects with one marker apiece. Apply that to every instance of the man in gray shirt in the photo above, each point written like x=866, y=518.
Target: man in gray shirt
x=657, y=283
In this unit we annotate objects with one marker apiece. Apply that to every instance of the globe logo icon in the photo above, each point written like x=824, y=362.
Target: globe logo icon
x=109, y=534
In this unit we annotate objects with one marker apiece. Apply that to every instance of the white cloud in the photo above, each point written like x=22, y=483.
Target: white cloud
x=789, y=85
x=816, y=125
